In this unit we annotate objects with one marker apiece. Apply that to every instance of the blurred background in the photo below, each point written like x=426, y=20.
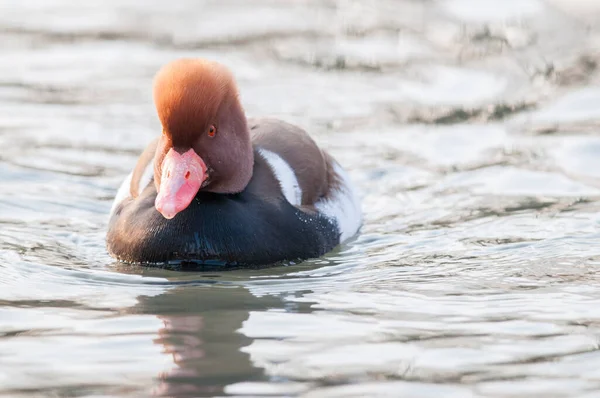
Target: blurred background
x=471, y=128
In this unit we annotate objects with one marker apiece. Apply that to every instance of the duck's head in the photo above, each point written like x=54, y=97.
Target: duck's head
x=205, y=143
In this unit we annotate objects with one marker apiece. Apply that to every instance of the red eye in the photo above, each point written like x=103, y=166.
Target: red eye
x=212, y=131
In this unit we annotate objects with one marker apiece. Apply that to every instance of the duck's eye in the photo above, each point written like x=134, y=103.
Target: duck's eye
x=212, y=131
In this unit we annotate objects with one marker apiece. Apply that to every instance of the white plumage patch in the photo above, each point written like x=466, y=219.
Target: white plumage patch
x=285, y=175
x=147, y=177
x=342, y=205
x=123, y=192
x=125, y=188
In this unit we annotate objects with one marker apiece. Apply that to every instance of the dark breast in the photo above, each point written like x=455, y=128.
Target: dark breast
x=254, y=227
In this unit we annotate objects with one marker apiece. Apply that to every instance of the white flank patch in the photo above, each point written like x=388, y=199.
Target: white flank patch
x=342, y=205
x=123, y=192
x=125, y=188
x=285, y=175
x=146, y=178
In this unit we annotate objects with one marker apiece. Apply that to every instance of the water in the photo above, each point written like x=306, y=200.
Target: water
x=470, y=126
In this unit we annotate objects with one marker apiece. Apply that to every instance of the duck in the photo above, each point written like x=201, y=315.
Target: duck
x=216, y=187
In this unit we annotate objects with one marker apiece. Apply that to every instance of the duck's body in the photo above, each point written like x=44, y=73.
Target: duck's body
x=297, y=202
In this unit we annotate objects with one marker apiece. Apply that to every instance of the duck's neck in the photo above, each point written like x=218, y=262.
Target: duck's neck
x=234, y=176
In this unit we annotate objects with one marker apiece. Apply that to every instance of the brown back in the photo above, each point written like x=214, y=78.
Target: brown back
x=296, y=147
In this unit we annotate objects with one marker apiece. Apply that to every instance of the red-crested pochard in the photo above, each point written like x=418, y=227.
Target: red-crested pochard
x=218, y=188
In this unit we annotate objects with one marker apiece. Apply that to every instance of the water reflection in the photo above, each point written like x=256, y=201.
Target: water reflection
x=200, y=332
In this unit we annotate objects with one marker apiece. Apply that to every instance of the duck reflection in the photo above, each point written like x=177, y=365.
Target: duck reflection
x=200, y=321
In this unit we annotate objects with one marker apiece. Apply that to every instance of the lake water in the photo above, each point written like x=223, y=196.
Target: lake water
x=472, y=128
